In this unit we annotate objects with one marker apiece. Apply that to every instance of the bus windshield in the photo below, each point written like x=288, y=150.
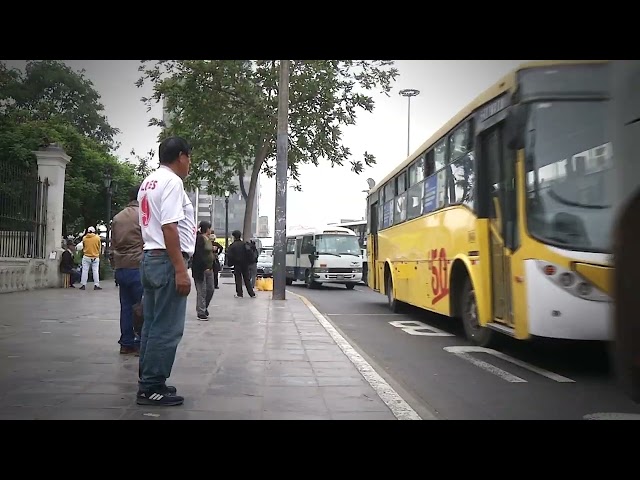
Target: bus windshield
x=569, y=175
x=337, y=245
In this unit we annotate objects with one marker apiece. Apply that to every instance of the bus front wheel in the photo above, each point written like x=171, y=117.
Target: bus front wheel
x=476, y=333
x=394, y=305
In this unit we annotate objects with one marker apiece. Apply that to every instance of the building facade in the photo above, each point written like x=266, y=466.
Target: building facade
x=263, y=226
x=212, y=209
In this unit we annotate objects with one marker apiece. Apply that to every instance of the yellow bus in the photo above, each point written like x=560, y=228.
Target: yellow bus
x=502, y=218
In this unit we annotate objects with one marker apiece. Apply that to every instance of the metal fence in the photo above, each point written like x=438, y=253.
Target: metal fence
x=23, y=212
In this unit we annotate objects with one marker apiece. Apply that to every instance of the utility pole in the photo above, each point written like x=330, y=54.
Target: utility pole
x=280, y=224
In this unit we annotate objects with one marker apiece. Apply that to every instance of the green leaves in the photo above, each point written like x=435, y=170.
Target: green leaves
x=228, y=110
x=52, y=103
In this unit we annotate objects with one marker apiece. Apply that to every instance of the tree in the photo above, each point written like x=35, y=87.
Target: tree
x=142, y=165
x=50, y=89
x=52, y=103
x=228, y=111
x=84, y=192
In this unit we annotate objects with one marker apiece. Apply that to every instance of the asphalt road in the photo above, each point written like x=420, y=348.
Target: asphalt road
x=553, y=380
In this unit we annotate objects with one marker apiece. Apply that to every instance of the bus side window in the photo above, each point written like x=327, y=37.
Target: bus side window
x=440, y=155
x=429, y=164
x=307, y=245
x=291, y=246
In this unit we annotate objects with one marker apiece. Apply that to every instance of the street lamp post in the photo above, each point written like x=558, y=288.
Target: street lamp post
x=226, y=269
x=409, y=92
x=111, y=187
x=226, y=227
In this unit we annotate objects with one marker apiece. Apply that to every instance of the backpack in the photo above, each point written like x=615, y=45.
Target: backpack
x=250, y=252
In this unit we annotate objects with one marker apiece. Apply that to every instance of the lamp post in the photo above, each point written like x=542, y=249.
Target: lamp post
x=226, y=227
x=409, y=92
x=111, y=187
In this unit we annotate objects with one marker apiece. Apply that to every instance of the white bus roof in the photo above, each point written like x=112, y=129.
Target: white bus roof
x=327, y=229
x=349, y=224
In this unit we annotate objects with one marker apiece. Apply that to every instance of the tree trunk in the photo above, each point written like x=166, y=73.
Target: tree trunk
x=251, y=196
x=243, y=190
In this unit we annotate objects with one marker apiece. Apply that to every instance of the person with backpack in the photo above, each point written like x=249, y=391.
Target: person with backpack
x=253, y=255
x=239, y=256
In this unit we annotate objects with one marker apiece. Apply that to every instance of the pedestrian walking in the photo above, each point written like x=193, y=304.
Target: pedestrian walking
x=126, y=254
x=239, y=256
x=217, y=250
x=169, y=235
x=202, y=270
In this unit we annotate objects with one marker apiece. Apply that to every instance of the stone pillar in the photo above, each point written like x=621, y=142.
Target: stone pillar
x=52, y=164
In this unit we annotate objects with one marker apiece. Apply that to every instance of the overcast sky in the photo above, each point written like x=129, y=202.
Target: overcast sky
x=329, y=194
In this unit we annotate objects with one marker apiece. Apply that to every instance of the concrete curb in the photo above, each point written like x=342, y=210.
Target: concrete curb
x=396, y=403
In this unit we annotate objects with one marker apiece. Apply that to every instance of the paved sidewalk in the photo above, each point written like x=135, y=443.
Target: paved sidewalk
x=253, y=359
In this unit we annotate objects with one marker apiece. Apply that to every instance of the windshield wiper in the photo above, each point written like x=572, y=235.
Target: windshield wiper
x=558, y=198
x=328, y=253
x=349, y=253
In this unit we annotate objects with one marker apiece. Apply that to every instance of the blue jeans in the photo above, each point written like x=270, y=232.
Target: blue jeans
x=130, y=288
x=164, y=316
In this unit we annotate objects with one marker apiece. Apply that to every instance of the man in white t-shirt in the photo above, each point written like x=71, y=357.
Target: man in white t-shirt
x=169, y=234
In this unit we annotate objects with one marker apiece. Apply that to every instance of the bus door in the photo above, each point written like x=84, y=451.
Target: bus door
x=299, y=270
x=501, y=172
x=372, y=250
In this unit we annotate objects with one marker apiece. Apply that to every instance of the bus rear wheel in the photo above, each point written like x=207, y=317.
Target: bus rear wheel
x=476, y=333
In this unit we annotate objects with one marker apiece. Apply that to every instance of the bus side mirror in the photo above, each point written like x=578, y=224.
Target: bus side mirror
x=515, y=126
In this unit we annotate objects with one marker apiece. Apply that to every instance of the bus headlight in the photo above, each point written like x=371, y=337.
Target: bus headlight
x=571, y=282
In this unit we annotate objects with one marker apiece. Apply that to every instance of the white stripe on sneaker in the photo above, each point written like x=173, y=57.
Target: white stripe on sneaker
x=156, y=396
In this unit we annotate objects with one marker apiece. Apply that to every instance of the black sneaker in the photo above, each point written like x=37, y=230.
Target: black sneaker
x=82, y=287
x=169, y=390
x=95, y=287
x=162, y=399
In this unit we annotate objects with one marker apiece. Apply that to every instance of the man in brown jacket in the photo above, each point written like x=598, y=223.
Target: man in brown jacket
x=127, y=253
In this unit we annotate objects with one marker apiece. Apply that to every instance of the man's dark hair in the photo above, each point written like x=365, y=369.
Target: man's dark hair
x=204, y=226
x=133, y=192
x=171, y=148
x=236, y=234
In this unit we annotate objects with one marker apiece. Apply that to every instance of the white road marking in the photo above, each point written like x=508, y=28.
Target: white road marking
x=398, y=406
x=463, y=352
x=413, y=327
x=612, y=416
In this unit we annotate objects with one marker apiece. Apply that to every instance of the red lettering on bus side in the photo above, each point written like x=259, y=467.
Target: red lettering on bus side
x=439, y=275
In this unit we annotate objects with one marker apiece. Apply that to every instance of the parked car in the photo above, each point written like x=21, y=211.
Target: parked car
x=265, y=265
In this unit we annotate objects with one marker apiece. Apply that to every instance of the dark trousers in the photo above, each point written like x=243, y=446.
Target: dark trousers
x=241, y=273
x=130, y=291
x=216, y=274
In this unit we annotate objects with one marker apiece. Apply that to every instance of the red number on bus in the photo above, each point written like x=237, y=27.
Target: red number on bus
x=439, y=275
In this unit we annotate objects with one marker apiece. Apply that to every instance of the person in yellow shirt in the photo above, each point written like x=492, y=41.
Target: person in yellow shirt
x=91, y=246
